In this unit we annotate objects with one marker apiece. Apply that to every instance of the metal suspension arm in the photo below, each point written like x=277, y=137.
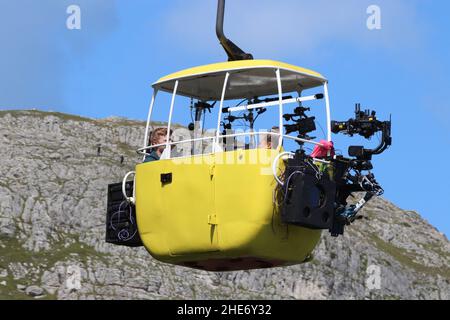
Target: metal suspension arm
x=233, y=51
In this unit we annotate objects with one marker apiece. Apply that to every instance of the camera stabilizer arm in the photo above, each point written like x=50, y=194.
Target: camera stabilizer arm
x=347, y=184
x=366, y=125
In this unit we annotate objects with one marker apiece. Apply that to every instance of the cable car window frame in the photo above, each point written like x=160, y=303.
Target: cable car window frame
x=216, y=138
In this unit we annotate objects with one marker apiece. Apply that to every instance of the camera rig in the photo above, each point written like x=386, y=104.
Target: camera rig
x=314, y=191
x=366, y=125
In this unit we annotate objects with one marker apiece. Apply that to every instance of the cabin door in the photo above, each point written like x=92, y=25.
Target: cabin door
x=188, y=197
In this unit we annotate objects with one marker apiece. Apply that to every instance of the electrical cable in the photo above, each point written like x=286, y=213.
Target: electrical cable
x=275, y=163
x=323, y=131
x=123, y=234
x=287, y=184
x=316, y=170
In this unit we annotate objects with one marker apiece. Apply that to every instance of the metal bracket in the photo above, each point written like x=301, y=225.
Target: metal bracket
x=212, y=219
x=166, y=178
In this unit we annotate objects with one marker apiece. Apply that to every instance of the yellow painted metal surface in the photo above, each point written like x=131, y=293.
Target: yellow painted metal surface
x=219, y=207
x=237, y=65
x=250, y=78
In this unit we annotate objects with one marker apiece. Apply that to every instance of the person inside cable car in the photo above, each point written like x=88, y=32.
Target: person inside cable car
x=267, y=139
x=157, y=137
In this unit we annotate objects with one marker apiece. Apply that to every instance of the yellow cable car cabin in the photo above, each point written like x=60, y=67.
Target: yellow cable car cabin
x=216, y=210
x=219, y=198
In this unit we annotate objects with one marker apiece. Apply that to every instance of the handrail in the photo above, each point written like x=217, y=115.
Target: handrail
x=124, y=182
x=141, y=150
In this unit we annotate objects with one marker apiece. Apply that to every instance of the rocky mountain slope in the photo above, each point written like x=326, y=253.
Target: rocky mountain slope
x=52, y=213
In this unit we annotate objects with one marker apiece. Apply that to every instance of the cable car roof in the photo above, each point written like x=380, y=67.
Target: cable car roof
x=248, y=79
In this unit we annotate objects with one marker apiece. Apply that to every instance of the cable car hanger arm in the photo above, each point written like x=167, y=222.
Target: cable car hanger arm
x=234, y=53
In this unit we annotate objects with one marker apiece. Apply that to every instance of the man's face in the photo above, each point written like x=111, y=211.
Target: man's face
x=161, y=140
x=264, y=142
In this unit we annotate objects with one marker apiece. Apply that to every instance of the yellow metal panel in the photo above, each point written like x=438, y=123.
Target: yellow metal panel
x=182, y=207
x=249, y=221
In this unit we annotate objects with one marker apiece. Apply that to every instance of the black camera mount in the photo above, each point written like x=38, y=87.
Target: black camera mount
x=303, y=124
x=366, y=125
x=313, y=186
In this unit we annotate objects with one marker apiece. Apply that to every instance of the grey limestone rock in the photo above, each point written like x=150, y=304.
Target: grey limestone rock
x=52, y=213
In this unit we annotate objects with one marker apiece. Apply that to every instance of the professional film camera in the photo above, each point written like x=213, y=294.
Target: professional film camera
x=315, y=190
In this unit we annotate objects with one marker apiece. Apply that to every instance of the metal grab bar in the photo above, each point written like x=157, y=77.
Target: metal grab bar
x=142, y=150
x=124, y=183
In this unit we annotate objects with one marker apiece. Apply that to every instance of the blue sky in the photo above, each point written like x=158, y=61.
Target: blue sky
x=106, y=68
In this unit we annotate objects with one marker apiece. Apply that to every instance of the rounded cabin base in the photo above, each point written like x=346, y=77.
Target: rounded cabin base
x=217, y=213
x=235, y=264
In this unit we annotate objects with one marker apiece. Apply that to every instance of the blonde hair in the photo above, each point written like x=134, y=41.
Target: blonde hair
x=156, y=134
